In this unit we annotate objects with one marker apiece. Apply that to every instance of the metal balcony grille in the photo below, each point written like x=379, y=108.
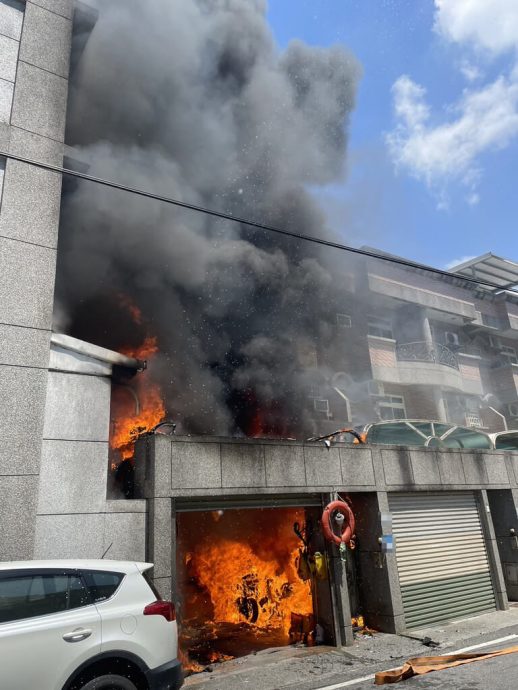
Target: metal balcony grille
x=427, y=352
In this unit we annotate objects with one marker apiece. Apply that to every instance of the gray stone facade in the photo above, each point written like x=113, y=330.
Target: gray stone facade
x=74, y=518
x=186, y=473
x=34, y=56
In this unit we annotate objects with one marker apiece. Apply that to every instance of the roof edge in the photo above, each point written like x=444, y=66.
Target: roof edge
x=82, y=347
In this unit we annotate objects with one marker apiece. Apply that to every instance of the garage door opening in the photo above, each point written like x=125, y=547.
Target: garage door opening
x=247, y=581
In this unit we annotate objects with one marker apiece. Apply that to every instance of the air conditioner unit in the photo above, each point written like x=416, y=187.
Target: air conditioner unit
x=451, y=338
x=376, y=388
x=495, y=342
x=321, y=405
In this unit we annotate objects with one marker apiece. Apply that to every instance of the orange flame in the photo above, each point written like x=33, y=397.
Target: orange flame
x=241, y=583
x=128, y=424
x=137, y=407
x=134, y=311
x=244, y=587
x=148, y=348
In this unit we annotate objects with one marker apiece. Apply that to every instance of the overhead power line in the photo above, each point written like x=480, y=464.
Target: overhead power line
x=254, y=224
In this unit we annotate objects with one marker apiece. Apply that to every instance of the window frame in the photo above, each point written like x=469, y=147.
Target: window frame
x=382, y=403
x=321, y=400
x=91, y=571
x=382, y=325
x=509, y=353
x=345, y=317
x=455, y=339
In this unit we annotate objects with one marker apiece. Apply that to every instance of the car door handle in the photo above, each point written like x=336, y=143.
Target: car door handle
x=77, y=635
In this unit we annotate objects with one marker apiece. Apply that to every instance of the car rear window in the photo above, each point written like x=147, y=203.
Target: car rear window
x=31, y=595
x=102, y=584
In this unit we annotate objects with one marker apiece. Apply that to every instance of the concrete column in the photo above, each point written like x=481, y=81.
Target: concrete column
x=153, y=482
x=440, y=405
x=160, y=540
x=340, y=596
x=504, y=514
x=34, y=77
x=427, y=331
x=378, y=578
x=497, y=575
x=339, y=593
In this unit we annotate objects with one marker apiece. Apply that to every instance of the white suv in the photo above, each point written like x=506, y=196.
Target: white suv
x=85, y=625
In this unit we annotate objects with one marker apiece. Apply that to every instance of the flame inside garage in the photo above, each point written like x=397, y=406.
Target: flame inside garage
x=247, y=582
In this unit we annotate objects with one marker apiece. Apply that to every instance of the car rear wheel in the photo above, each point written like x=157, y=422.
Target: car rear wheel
x=109, y=682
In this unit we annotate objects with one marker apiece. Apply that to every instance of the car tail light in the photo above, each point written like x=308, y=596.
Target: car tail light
x=161, y=608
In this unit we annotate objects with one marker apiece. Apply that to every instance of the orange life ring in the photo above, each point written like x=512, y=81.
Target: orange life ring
x=347, y=528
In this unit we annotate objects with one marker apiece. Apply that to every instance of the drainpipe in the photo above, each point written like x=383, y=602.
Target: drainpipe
x=347, y=403
x=440, y=404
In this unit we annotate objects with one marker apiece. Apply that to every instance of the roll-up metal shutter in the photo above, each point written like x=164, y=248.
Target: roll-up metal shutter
x=441, y=557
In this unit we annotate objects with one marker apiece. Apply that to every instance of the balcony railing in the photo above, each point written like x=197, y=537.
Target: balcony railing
x=427, y=352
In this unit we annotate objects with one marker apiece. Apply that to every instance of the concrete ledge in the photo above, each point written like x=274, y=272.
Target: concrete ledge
x=126, y=506
x=211, y=466
x=242, y=466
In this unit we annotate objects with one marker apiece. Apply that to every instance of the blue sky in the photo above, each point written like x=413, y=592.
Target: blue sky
x=432, y=171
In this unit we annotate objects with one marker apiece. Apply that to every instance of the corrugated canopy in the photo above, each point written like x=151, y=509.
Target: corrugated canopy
x=489, y=267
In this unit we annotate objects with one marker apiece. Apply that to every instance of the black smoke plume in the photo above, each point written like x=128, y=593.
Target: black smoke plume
x=193, y=99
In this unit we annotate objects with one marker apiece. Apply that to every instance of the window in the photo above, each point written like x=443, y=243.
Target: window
x=391, y=407
x=102, y=585
x=31, y=595
x=451, y=339
x=321, y=405
x=382, y=328
x=509, y=353
x=505, y=357
x=343, y=321
x=314, y=392
x=491, y=321
x=375, y=388
x=307, y=357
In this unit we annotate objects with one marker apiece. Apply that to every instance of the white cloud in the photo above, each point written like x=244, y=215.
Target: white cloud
x=488, y=24
x=469, y=71
x=457, y=262
x=483, y=120
x=441, y=150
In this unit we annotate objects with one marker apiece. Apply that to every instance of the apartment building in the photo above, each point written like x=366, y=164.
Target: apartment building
x=414, y=344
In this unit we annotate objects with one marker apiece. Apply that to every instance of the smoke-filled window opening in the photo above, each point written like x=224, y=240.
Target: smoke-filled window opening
x=343, y=321
x=380, y=327
x=251, y=579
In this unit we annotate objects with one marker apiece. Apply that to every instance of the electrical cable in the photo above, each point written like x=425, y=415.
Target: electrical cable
x=255, y=224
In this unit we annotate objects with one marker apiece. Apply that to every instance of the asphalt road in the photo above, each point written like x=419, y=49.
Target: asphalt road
x=332, y=670
x=500, y=673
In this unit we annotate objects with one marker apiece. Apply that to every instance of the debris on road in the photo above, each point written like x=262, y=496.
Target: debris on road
x=421, y=665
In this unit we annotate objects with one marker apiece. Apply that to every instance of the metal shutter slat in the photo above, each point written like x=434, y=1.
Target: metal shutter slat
x=441, y=557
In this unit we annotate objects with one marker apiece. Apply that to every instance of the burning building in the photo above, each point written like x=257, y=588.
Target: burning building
x=122, y=318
